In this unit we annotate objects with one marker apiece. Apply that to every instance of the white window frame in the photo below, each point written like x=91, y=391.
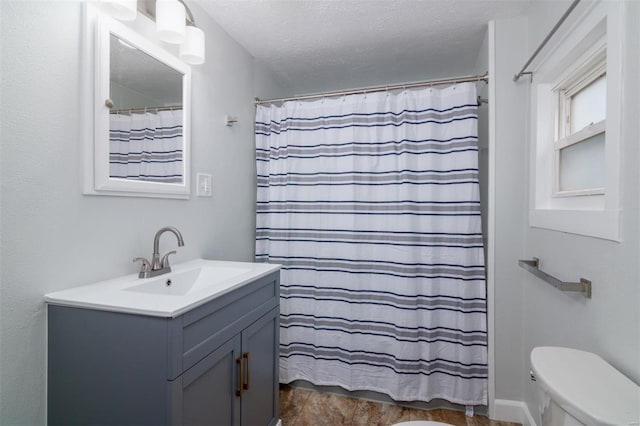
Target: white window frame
x=585, y=74
x=594, y=213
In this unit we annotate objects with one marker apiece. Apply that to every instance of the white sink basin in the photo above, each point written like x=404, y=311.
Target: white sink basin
x=185, y=282
x=190, y=284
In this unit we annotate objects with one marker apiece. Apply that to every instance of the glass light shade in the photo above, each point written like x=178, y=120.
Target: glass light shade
x=192, y=49
x=124, y=10
x=170, y=21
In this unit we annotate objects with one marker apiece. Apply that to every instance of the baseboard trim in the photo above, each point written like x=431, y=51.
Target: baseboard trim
x=507, y=410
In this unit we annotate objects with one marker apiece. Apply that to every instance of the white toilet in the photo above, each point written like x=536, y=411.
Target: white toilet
x=580, y=388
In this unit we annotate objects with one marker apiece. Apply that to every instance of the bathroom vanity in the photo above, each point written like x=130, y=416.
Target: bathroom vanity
x=185, y=348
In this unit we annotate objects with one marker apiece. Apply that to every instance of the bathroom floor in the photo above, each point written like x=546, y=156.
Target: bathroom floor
x=303, y=407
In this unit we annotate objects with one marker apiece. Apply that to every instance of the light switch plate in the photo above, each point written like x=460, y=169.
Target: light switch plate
x=204, y=182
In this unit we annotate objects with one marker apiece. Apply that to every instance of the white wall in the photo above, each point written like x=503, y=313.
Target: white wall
x=267, y=87
x=510, y=194
x=52, y=236
x=364, y=78
x=609, y=323
x=529, y=312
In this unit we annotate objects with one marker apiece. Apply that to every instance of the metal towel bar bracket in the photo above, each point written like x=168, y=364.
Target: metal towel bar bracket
x=584, y=286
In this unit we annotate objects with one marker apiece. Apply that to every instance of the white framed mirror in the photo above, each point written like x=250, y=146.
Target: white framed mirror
x=141, y=116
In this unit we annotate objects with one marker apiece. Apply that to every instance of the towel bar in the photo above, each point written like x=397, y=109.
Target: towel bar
x=584, y=286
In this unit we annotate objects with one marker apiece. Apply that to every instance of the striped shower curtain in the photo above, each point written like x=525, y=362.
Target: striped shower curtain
x=371, y=204
x=146, y=146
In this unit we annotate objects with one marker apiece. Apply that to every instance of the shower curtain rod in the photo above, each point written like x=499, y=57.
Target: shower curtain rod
x=476, y=78
x=146, y=109
x=563, y=18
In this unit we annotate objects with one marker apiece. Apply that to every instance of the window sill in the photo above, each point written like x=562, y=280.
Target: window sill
x=578, y=193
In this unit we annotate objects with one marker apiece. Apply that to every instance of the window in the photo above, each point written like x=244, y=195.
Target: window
x=579, y=147
x=576, y=109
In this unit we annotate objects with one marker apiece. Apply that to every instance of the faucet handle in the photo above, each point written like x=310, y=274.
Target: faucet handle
x=164, y=263
x=144, y=267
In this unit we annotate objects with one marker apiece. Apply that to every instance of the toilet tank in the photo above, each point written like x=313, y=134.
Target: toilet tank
x=580, y=388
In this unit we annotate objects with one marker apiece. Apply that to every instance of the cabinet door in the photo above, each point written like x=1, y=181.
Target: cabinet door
x=260, y=348
x=206, y=393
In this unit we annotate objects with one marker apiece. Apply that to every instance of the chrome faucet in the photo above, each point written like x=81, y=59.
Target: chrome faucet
x=158, y=266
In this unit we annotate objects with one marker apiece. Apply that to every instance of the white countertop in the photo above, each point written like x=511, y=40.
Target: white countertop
x=195, y=283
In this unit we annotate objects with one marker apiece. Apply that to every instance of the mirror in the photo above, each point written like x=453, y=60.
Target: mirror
x=141, y=141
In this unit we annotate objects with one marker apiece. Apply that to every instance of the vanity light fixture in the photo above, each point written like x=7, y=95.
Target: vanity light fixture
x=174, y=23
x=192, y=44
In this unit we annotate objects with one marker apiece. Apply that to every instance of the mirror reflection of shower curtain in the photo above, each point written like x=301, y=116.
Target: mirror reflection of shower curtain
x=371, y=204
x=146, y=146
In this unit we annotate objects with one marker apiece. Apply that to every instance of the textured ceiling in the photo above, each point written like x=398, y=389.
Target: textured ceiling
x=318, y=45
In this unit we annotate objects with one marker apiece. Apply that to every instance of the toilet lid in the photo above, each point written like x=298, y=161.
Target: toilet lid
x=422, y=423
x=586, y=386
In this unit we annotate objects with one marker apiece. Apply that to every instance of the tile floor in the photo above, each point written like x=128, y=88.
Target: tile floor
x=303, y=407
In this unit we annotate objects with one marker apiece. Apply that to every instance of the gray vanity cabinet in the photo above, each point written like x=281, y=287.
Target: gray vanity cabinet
x=259, y=395
x=214, y=365
x=212, y=379
x=234, y=384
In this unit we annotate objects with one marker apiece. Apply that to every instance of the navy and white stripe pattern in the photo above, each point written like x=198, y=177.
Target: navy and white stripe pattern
x=371, y=204
x=146, y=146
